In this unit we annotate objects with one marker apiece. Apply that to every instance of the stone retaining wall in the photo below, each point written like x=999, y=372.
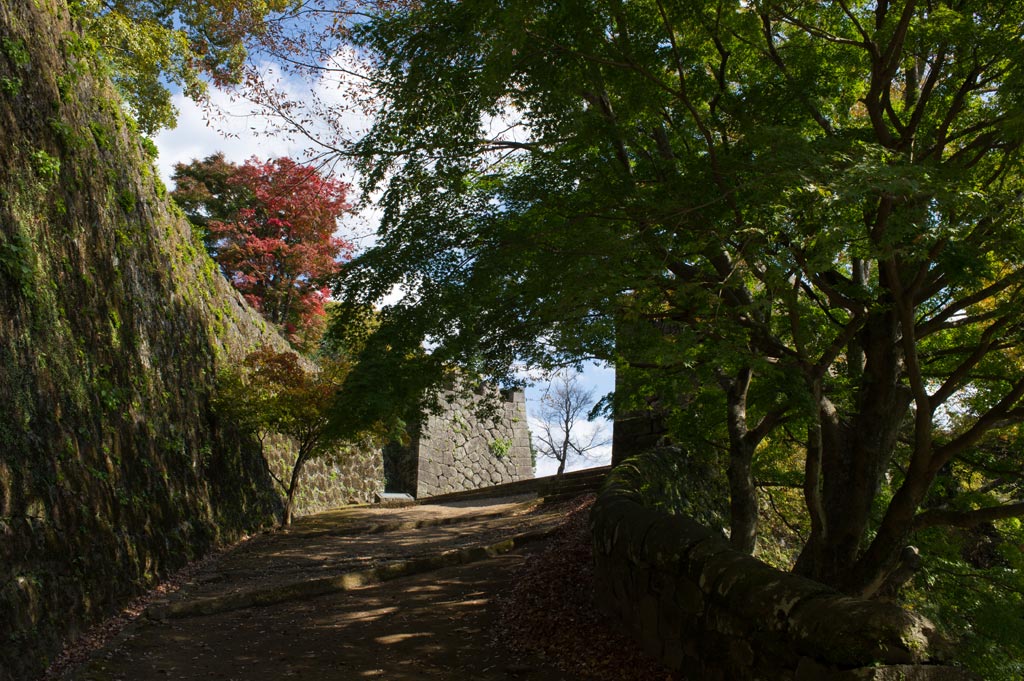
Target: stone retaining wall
x=458, y=450
x=351, y=475
x=716, y=614
x=114, y=469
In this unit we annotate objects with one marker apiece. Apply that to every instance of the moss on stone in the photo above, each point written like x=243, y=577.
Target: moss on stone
x=113, y=472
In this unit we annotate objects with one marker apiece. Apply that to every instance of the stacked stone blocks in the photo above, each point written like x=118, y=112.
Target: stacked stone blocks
x=353, y=474
x=713, y=613
x=458, y=449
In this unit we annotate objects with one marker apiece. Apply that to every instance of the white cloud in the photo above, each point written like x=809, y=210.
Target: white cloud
x=344, y=88
x=231, y=125
x=235, y=132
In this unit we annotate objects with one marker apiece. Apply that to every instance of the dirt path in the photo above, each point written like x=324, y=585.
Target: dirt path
x=437, y=624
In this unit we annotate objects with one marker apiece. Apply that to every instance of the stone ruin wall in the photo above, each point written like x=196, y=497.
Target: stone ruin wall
x=458, y=450
x=115, y=470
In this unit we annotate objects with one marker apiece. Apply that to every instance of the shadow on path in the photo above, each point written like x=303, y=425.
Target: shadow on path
x=435, y=625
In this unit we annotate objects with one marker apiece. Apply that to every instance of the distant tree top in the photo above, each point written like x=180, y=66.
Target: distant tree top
x=271, y=227
x=152, y=46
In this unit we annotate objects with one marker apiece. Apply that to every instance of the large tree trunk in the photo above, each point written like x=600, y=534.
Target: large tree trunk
x=854, y=456
x=742, y=492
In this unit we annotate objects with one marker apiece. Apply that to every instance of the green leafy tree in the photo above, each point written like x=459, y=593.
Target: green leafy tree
x=277, y=392
x=153, y=44
x=816, y=204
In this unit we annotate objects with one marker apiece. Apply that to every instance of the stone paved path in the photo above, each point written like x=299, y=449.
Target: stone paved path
x=433, y=625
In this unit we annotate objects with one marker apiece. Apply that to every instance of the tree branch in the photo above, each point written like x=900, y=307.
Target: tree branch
x=773, y=54
x=981, y=350
x=995, y=416
x=939, y=517
x=936, y=322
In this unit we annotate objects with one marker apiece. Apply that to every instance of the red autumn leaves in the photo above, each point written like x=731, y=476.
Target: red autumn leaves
x=270, y=225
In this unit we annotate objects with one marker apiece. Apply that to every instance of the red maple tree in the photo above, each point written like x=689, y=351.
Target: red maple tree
x=270, y=225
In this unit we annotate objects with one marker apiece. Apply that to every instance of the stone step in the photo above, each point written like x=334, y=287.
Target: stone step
x=578, y=480
x=559, y=498
x=507, y=489
x=566, y=492
x=346, y=581
x=585, y=474
x=566, y=481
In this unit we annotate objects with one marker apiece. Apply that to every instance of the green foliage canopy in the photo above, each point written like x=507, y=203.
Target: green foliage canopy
x=150, y=45
x=823, y=199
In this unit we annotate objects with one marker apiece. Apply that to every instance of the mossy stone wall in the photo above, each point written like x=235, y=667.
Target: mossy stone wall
x=354, y=474
x=114, y=470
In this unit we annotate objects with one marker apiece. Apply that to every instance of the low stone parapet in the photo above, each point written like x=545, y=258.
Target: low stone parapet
x=713, y=613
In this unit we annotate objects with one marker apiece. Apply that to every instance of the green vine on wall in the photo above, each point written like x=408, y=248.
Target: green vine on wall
x=16, y=261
